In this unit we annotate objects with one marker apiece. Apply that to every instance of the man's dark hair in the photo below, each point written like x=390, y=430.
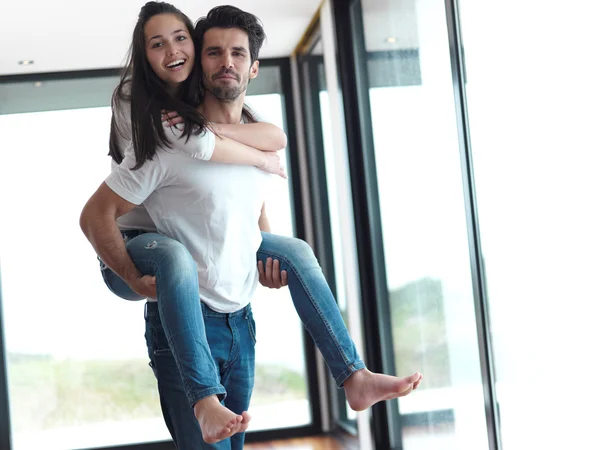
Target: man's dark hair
x=227, y=16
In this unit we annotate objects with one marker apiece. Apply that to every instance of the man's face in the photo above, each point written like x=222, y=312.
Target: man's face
x=226, y=67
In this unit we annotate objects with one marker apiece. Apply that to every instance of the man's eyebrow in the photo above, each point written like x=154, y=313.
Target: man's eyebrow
x=216, y=47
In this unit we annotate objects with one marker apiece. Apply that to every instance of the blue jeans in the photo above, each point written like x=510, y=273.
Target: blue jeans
x=181, y=314
x=231, y=338
x=178, y=305
x=314, y=303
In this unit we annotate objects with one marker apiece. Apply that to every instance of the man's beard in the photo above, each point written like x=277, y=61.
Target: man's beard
x=226, y=93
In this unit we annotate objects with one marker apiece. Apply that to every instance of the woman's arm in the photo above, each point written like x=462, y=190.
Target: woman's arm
x=208, y=147
x=228, y=151
x=260, y=135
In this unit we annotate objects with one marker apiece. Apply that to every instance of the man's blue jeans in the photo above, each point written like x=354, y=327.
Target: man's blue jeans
x=231, y=338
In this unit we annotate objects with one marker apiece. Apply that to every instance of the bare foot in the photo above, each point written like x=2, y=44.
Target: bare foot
x=365, y=388
x=216, y=421
x=245, y=422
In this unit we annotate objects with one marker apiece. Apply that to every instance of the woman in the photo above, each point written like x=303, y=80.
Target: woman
x=176, y=90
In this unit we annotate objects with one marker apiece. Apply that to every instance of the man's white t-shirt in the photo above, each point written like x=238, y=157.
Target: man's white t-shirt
x=212, y=209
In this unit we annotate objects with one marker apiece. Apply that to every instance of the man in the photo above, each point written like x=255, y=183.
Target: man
x=206, y=207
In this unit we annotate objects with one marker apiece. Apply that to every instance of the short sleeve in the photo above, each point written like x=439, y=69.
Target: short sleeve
x=135, y=186
x=122, y=116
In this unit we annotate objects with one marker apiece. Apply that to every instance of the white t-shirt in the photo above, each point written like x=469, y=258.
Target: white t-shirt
x=212, y=209
x=138, y=218
x=199, y=147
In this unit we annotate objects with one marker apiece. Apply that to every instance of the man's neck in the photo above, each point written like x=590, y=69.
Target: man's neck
x=218, y=111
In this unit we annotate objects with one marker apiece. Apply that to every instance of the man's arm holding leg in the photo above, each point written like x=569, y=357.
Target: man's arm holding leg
x=98, y=222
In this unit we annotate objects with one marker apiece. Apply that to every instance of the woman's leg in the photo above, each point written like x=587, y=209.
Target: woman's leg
x=181, y=319
x=314, y=303
x=321, y=316
x=113, y=281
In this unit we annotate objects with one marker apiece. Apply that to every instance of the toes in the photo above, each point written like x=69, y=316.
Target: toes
x=226, y=432
x=415, y=378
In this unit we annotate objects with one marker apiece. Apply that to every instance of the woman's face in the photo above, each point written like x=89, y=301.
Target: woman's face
x=169, y=48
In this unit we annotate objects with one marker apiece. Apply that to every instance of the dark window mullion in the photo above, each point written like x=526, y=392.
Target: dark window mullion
x=5, y=430
x=476, y=258
x=352, y=66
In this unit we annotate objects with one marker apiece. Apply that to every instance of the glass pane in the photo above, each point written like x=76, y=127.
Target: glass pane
x=319, y=127
x=424, y=226
x=345, y=413
x=77, y=360
x=280, y=397
x=534, y=119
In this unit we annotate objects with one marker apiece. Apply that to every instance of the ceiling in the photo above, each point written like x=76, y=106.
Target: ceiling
x=66, y=35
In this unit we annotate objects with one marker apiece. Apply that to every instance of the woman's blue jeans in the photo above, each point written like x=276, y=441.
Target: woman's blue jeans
x=181, y=313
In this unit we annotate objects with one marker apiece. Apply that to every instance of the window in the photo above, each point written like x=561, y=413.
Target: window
x=431, y=307
x=533, y=95
x=77, y=361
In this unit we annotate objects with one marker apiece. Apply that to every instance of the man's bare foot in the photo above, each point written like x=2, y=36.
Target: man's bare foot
x=245, y=422
x=216, y=421
x=365, y=388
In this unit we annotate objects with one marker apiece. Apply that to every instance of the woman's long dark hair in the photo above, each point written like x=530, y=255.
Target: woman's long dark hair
x=148, y=94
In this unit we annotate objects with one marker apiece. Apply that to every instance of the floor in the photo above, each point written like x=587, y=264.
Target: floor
x=309, y=443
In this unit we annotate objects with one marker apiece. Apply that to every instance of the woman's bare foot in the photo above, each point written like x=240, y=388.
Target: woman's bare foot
x=216, y=421
x=365, y=388
x=245, y=422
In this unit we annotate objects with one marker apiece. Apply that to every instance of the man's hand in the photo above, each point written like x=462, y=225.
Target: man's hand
x=144, y=285
x=272, y=277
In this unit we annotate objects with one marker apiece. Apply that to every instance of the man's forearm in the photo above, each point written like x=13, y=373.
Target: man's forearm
x=104, y=235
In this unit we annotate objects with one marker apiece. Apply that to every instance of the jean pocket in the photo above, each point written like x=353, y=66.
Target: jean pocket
x=251, y=328
x=156, y=340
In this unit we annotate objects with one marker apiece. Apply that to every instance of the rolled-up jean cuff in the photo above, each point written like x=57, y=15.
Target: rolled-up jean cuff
x=340, y=379
x=194, y=397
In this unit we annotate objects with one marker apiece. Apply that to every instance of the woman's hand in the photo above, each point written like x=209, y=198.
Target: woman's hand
x=272, y=164
x=170, y=118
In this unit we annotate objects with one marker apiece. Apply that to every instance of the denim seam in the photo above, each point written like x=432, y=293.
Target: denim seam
x=314, y=303
x=235, y=348
x=194, y=397
x=107, y=283
x=339, y=381
x=251, y=329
